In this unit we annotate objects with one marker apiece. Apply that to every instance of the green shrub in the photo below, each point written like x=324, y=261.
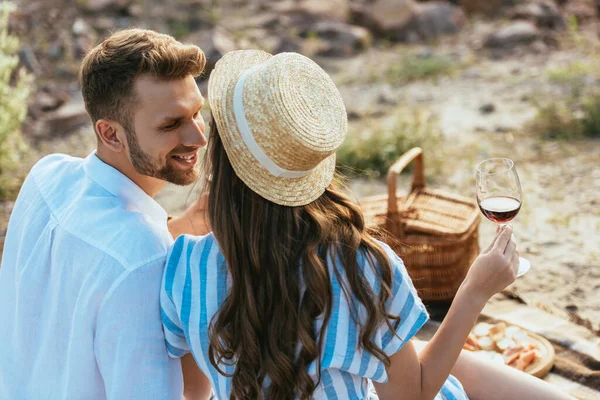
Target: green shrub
x=15, y=86
x=371, y=150
x=414, y=67
x=567, y=119
x=576, y=113
x=409, y=66
x=572, y=78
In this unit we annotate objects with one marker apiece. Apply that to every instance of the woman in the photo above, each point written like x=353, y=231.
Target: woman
x=289, y=296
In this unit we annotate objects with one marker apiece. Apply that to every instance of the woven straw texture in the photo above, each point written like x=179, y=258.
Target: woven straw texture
x=296, y=116
x=436, y=233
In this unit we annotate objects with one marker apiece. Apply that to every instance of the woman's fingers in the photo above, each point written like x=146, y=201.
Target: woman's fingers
x=514, y=263
x=503, y=239
x=491, y=246
x=510, y=248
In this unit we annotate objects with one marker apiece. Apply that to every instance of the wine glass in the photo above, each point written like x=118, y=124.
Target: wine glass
x=499, y=195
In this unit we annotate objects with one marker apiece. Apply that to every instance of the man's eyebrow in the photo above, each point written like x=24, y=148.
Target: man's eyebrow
x=180, y=117
x=169, y=119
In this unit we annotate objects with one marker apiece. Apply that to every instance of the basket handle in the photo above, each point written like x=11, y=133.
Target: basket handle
x=418, y=182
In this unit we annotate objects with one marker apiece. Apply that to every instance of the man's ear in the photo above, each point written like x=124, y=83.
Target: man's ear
x=111, y=134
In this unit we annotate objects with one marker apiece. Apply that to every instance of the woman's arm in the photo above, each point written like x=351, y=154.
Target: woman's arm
x=422, y=376
x=196, y=385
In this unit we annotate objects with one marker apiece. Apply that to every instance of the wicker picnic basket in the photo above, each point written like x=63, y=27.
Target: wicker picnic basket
x=434, y=232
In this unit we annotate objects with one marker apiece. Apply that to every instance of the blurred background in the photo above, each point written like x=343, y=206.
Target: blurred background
x=465, y=80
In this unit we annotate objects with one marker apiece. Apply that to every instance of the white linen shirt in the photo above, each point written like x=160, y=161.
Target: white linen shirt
x=79, y=288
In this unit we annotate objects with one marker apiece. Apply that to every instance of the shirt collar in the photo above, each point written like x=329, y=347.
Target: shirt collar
x=122, y=187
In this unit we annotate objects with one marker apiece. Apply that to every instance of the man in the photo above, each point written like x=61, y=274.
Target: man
x=86, y=243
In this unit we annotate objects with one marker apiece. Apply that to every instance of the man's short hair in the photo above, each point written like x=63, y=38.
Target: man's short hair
x=108, y=72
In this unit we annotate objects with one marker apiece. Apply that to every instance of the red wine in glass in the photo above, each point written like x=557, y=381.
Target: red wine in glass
x=500, y=209
x=499, y=195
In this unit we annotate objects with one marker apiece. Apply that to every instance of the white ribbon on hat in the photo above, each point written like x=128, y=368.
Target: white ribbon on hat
x=248, y=138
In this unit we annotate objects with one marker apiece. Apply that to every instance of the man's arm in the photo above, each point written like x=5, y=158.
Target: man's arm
x=129, y=343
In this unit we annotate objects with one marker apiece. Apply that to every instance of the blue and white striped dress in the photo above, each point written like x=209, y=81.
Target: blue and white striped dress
x=196, y=282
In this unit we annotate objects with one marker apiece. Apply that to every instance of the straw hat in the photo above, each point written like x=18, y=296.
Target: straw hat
x=281, y=119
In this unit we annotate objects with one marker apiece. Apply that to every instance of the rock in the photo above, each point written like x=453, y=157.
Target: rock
x=583, y=10
x=487, y=108
x=393, y=19
x=539, y=47
x=315, y=46
x=214, y=43
x=136, y=10
x=545, y=14
x=204, y=40
x=331, y=10
x=435, y=19
x=354, y=115
x=102, y=24
x=408, y=21
x=97, y=6
x=386, y=99
x=488, y=7
x=80, y=27
x=393, y=15
x=28, y=58
x=81, y=45
x=471, y=73
x=335, y=10
x=342, y=39
x=45, y=101
x=261, y=38
x=85, y=37
x=56, y=51
x=269, y=40
x=571, y=307
x=515, y=34
x=289, y=44
x=223, y=42
x=69, y=116
x=268, y=20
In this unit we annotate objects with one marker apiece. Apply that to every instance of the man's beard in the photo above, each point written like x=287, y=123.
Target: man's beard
x=145, y=165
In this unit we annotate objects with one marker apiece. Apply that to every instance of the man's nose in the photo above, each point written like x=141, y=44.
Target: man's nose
x=193, y=135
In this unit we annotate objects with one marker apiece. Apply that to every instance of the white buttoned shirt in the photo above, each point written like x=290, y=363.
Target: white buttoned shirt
x=79, y=288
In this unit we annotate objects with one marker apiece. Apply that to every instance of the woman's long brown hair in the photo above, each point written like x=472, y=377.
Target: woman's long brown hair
x=278, y=259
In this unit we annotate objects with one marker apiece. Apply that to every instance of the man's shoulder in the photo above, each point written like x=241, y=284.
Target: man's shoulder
x=56, y=176
x=130, y=237
x=97, y=219
x=51, y=163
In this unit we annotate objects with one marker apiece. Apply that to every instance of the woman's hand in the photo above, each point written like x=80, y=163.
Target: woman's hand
x=495, y=268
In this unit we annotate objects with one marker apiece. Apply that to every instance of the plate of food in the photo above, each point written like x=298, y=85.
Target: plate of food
x=513, y=346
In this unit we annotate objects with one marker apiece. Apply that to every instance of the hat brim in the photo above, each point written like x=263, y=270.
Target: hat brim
x=283, y=191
